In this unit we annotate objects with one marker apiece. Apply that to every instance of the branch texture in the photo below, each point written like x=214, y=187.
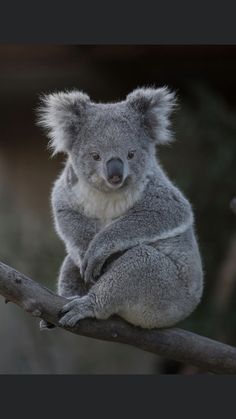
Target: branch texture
x=172, y=343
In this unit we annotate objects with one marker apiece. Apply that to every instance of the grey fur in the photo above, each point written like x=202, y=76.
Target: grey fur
x=131, y=248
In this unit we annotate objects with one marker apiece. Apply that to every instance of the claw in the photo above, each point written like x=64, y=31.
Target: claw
x=75, y=310
x=68, y=306
x=69, y=320
x=45, y=325
x=63, y=310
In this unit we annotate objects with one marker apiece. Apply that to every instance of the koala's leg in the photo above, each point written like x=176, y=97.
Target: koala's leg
x=70, y=285
x=143, y=286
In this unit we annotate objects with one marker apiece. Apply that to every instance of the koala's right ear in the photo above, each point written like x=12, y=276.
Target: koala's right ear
x=62, y=115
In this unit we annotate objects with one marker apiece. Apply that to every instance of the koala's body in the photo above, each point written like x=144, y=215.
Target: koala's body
x=128, y=231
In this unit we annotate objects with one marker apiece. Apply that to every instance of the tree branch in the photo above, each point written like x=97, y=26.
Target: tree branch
x=173, y=343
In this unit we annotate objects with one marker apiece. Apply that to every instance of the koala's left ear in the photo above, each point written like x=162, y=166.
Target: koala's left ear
x=62, y=115
x=154, y=107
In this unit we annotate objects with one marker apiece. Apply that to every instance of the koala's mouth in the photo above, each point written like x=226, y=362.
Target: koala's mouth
x=101, y=183
x=116, y=182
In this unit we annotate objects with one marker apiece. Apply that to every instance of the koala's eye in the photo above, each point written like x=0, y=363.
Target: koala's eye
x=131, y=154
x=95, y=156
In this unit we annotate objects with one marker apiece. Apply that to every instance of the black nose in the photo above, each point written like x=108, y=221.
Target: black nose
x=115, y=169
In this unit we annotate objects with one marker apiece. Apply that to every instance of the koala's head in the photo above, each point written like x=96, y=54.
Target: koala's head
x=109, y=145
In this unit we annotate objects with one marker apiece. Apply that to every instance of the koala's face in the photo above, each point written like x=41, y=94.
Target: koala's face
x=110, y=146
x=109, y=154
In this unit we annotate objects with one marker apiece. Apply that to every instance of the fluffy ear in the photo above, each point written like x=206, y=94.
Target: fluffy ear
x=62, y=115
x=154, y=107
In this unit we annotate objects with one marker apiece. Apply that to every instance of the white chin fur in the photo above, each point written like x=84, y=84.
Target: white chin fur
x=106, y=205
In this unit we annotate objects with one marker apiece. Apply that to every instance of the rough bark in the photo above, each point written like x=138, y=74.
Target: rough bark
x=173, y=343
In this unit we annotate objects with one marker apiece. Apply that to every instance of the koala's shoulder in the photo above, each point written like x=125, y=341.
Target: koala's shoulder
x=161, y=194
x=62, y=192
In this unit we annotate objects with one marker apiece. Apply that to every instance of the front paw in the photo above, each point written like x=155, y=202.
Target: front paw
x=74, y=311
x=91, y=269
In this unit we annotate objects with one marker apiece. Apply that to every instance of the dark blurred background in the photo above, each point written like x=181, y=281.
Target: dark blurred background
x=202, y=163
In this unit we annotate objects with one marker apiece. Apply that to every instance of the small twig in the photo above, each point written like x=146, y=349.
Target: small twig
x=173, y=343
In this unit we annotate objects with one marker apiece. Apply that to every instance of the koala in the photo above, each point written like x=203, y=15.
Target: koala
x=128, y=230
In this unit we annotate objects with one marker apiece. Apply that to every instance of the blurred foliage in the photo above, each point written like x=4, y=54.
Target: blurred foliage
x=24, y=236
x=202, y=162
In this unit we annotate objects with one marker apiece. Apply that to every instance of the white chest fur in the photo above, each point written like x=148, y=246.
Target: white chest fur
x=105, y=206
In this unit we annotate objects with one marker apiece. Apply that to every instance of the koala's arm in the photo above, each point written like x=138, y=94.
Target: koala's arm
x=162, y=212
x=73, y=227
